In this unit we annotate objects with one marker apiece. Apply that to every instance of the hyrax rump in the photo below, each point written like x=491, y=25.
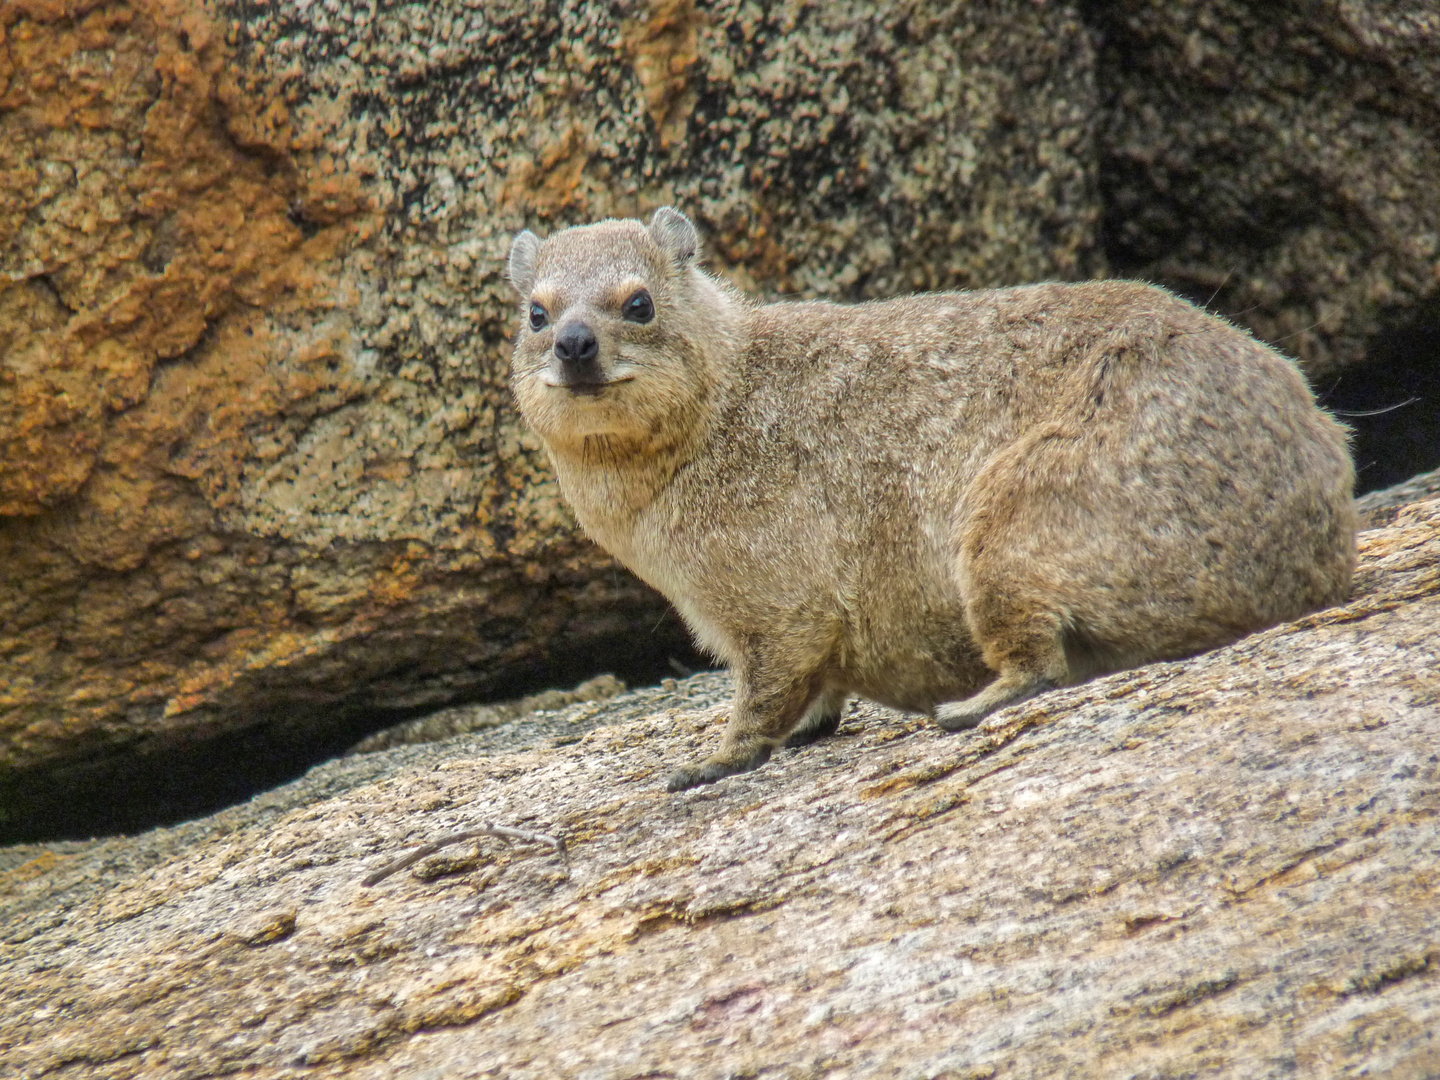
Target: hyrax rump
x=944, y=503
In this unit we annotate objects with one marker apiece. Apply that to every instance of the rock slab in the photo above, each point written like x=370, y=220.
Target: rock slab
x=1227, y=866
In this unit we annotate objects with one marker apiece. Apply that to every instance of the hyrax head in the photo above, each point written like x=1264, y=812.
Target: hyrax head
x=611, y=341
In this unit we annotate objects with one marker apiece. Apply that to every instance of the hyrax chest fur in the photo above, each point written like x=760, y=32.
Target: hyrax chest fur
x=944, y=503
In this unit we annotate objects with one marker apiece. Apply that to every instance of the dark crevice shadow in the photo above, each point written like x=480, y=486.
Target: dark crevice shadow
x=165, y=785
x=1392, y=401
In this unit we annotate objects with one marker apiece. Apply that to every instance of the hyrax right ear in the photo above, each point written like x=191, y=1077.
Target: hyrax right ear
x=523, y=250
x=675, y=234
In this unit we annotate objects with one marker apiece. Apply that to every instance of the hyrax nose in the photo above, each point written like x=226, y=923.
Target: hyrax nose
x=578, y=351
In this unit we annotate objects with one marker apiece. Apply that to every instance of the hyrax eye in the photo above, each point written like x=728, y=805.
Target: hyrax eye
x=538, y=317
x=639, y=308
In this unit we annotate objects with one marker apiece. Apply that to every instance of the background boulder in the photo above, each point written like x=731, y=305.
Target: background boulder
x=261, y=484
x=261, y=474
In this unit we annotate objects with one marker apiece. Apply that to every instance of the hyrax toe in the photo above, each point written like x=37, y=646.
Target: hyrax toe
x=821, y=719
x=962, y=715
x=818, y=724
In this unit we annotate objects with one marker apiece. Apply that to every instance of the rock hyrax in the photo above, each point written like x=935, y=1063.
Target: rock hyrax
x=944, y=503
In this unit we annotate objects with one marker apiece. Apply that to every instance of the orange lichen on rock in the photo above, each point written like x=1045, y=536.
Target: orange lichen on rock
x=150, y=252
x=124, y=259
x=550, y=181
x=664, y=44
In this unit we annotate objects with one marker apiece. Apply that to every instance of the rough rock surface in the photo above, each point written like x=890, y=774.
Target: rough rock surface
x=258, y=466
x=1380, y=508
x=1226, y=866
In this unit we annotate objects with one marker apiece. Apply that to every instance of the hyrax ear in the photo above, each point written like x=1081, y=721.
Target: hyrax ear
x=675, y=234
x=523, y=250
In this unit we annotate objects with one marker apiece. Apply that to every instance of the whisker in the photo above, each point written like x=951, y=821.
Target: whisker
x=1376, y=412
x=1296, y=333
x=1223, y=282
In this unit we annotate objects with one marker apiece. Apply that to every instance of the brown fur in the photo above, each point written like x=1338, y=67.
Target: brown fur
x=944, y=503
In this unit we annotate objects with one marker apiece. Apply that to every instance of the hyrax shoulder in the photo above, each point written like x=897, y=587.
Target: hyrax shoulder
x=945, y=503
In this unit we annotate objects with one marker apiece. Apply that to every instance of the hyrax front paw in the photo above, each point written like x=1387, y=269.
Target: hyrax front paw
x=726, y=763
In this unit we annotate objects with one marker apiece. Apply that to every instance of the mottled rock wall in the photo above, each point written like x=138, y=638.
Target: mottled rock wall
x=259, y=473
x=1226, y=867
x=1281, y=160
x=258, y=465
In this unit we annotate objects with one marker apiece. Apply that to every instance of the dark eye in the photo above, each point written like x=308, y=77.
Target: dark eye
x=538, y=317
x=639, y=308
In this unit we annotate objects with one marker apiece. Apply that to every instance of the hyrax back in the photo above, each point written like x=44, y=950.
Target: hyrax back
x=944, y=503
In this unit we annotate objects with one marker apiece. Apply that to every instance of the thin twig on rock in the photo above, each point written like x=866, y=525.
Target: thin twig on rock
x=504, y=832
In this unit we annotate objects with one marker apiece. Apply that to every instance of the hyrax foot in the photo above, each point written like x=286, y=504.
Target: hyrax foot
x=823, y=725
x=819, y=722
x=727, y=762
x=1009, y=689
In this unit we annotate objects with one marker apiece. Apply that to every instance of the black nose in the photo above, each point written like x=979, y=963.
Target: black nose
x=577, y=349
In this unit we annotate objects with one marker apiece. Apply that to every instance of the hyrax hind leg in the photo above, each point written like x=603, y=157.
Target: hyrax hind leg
x=1034, y=572
x=1085, y=550
x=1024, y=648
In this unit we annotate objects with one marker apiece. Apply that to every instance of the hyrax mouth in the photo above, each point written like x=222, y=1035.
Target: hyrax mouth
x=589, y=389
x=576, y=366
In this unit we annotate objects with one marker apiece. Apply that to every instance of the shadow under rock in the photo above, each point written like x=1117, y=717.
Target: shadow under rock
x=168, y=784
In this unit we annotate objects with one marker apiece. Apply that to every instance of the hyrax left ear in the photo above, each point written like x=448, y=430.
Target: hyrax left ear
x=523, y=250
x=673, y=232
